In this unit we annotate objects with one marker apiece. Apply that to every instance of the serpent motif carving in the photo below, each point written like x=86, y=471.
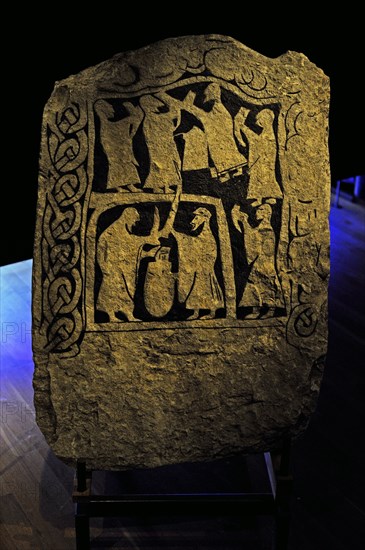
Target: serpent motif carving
x=61, y=247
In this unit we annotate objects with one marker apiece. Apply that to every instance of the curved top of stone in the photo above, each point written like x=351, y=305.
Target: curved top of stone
x=171, y=60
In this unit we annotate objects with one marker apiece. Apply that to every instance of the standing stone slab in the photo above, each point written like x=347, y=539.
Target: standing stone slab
x=181, y=254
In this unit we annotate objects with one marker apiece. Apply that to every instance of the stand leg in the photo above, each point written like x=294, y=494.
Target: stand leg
x=282, y=520
x=81, y=476
x=82, y=512
x=82, y=529
x=283, y=495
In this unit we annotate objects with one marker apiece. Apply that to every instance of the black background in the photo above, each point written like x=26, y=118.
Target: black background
x=50, y=47
x=42, y=48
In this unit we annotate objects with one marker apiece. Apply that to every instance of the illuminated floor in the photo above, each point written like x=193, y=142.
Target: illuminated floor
x=36, y=507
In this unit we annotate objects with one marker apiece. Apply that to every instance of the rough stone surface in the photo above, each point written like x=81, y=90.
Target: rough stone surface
x=181, y=255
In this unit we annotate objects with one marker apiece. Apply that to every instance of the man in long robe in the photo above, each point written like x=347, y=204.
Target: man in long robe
x=263, y=289
x=118, y=254
x=262, y=153
x=116, y=138
x=197, y=284
x=219, y=132
x=161, y=118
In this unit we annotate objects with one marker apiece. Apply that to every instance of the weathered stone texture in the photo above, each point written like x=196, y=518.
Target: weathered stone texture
x=181, y=254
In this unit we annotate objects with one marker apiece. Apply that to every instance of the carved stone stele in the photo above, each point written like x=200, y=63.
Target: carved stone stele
x=181, y=254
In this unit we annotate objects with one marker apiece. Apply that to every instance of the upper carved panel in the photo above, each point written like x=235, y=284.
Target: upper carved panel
x=189, y=174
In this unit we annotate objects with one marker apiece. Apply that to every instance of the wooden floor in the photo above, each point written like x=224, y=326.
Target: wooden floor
x=328, y=461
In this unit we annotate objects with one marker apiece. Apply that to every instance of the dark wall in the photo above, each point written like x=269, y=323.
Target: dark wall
x=58, y=45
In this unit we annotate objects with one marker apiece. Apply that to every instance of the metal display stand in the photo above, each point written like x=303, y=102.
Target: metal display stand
x=274, y=502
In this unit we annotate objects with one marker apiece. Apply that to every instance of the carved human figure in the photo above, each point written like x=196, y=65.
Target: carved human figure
x=119, y=252
x=116, y=139
x=305, y=251
x=262, y=152
x=218, y=127
x=197, y=284
x=196, y=156
x=162, y=117
x=263, y=289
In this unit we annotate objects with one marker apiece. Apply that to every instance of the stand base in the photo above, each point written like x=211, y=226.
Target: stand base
x=269, y=493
